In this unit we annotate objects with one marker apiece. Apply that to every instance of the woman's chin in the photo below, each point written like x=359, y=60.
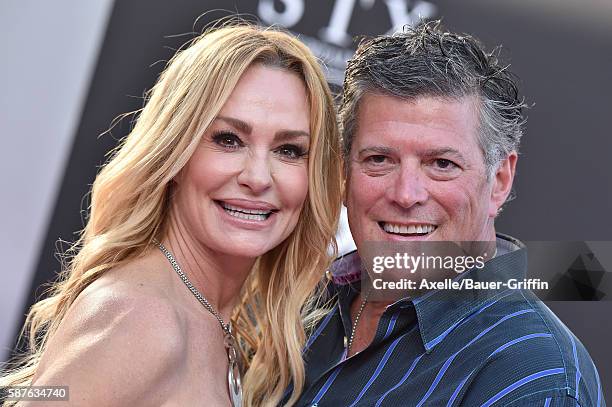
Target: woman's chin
x=247, y=249
x=249, y=243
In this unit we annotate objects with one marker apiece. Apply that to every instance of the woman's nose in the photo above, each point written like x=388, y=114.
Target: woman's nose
x=256, y=174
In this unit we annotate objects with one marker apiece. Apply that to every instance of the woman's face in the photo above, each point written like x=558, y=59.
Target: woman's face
x=242, y=191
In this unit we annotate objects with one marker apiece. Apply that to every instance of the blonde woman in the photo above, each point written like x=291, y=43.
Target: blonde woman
x=224, y=197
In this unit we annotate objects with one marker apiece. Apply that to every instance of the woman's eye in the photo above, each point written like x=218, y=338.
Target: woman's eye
x=227, y=139
x=291, y=151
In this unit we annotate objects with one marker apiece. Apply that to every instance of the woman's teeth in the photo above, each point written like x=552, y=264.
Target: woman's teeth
x=408, y=230
x=244, y=213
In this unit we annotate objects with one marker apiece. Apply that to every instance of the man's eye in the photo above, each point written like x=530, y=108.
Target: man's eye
x=444, y=164
x=376, y=159
x=291, y=151
x=227, y=139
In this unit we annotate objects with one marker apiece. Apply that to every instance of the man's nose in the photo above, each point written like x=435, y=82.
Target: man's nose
x=256, y=174
x=410, y=187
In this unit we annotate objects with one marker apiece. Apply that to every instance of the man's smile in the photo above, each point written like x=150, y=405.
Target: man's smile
x=411, y=229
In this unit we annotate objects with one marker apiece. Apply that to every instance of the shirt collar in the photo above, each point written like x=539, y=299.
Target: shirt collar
x=440, y=311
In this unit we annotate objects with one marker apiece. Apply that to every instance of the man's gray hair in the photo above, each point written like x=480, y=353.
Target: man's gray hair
x=428, y=61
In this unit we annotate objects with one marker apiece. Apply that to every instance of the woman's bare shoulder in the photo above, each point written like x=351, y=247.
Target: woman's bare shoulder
x=121, y=338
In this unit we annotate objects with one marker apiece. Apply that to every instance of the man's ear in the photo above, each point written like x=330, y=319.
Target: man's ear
x=502, y=183
x=344, y=180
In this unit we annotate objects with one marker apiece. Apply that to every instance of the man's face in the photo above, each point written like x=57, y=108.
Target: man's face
x=417, y=172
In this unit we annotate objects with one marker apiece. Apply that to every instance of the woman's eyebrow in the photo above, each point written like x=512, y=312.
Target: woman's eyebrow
x=242, y=126
x=286, y=135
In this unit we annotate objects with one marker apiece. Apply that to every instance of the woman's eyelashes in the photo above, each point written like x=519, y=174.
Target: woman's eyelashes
x=231, y=141
x=292, y=151
x=227, y=139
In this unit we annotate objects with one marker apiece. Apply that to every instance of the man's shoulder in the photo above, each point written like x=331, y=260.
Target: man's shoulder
x=533, y=353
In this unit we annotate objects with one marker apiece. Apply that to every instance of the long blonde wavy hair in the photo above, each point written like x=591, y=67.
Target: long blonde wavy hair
x=130, y=200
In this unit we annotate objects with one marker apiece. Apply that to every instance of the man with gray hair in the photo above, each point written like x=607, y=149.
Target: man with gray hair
x=431, y=128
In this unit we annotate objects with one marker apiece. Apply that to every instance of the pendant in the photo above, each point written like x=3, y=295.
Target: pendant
x=233, y=372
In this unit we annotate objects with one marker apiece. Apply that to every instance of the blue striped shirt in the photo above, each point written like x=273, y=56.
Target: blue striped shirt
x=493, y=348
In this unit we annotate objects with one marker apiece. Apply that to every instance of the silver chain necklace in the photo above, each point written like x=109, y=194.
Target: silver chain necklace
x=233, y=373
x=354, y=327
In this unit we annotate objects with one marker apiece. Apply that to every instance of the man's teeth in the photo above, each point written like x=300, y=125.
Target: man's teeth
x=408, y=230
x=248, y=214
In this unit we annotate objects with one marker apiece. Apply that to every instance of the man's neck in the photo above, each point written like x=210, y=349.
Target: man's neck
x=377, y=308
x=367, y=324
x=370, y=318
